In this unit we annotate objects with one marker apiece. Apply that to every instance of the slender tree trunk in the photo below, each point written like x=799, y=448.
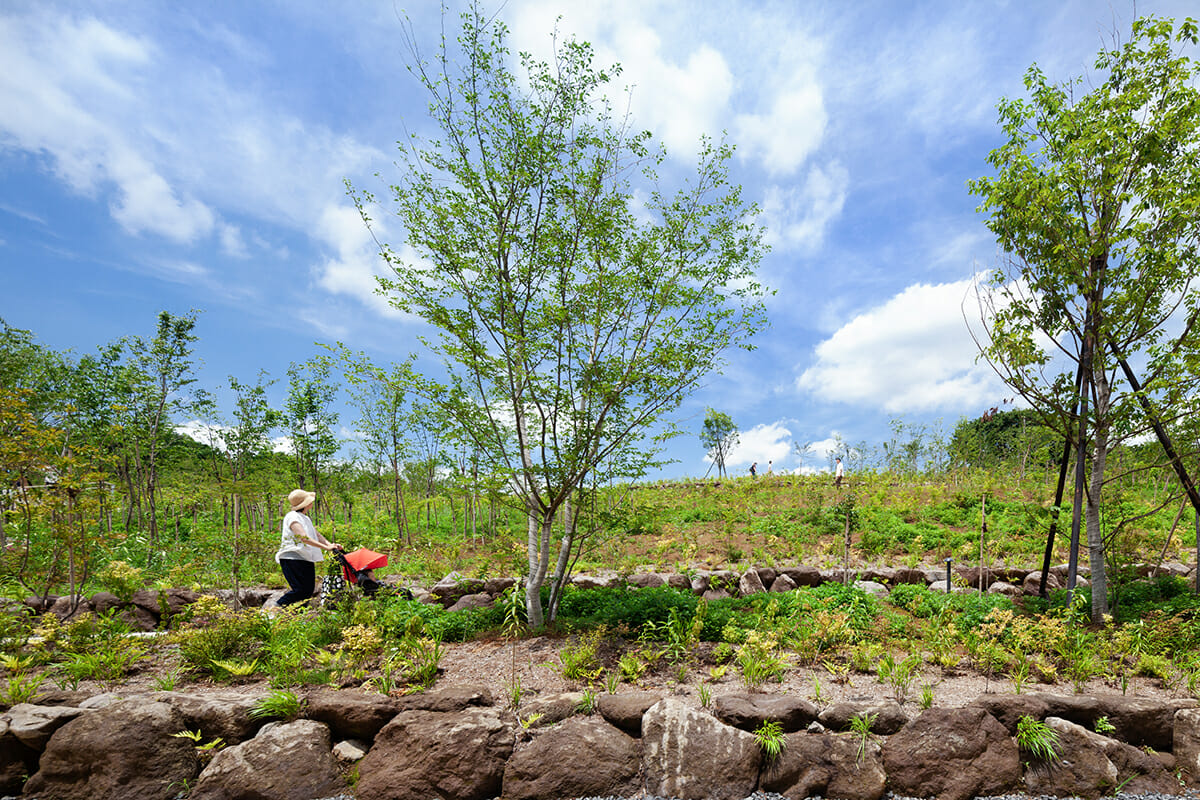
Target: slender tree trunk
x=1096, y=549
x=537, y=568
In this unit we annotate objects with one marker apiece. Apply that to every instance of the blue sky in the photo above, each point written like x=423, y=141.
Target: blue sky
x=192, y=155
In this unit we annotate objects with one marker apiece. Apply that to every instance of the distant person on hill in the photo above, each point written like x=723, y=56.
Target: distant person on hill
x=839, y=473
x=300, y=549
x=754, y=470
x=770, y=467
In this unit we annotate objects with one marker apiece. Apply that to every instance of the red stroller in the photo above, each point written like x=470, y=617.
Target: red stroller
x=357, y=566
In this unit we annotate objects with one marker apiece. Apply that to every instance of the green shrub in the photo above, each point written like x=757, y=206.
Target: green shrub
x=620, y=607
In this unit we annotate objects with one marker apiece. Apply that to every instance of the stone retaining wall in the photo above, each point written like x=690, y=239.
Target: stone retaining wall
x=456, y=743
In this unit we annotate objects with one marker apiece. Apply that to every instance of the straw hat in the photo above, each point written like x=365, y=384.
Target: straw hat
x=299, y=499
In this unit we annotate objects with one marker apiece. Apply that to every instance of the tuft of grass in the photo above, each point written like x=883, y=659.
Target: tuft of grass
x=771, y=739
x=1037, y=738
x=279, y=704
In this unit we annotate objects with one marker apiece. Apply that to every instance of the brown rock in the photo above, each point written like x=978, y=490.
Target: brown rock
x=548, y=768
x=285, y=761
x=477, y=600
x=783, y=583
x=498, y=586
x=910, y=575
x=1009, y=708
x=825, y=765
x=1142, y=722
x=552, y=708
x=749, y=711
x=689, y=754
x=450, y=698
x=953, y=754
x=750, y=583
x=124, y=752
x=224, y=714
x=646, y=580
x=1033, y=582
x=679, y=581
x=351, y=714
x=889, y=716
x=33, y=725
x=626, y=710
x=456, y=756
x=1186, y=743
x=1090, y=766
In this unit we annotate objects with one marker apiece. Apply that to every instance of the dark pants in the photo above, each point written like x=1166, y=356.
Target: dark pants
x=301, y=577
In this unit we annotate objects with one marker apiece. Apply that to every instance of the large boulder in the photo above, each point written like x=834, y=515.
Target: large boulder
x=782, y=583
x=350, y=714
x=223, y=714
x=552, y=708
x=449, y=698
x=689, y=754
x=1009, y=708
x=455, y=585
x=476, y=600
x=750, y=583
x=452, y=756
x=1186, y=743
x=285, y=761
x=625, y=710
x=17, y=759
x=1033, y=582
x=33, y=725
x=749, y=711
x=825, y=765
x=1089, y=765
x=646, y=580
x=953, y=754
x=1143, y=722
x=125, y=751
x=889, y=717
x=549, y=768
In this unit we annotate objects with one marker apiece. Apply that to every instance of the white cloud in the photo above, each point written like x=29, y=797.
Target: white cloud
x=791, y=128
x=354, y=268
x=205, y=433
x=681, y=88
x=762, y=443
x=911, y=354
x=232, y=243
x=798, y=216
x=78, y=107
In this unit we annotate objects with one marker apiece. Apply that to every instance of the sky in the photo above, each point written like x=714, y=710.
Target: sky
x=193, y=155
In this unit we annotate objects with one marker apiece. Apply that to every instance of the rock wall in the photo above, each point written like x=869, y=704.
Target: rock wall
x=457, y=744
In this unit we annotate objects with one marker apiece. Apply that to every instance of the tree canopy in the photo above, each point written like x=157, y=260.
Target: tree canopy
x=1095, y=201
x=572, y=300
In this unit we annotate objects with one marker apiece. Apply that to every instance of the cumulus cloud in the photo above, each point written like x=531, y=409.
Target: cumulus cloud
x=762, y=443
x=680, y=89
x=792, y=125
x=798, y=215
x=910, y=354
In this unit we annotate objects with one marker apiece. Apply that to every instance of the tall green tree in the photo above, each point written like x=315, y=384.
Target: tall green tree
x=571, y=314
x=1096, y=202
x=311, y=419
x=385, y=418
x=719, y=435
x=164, y=366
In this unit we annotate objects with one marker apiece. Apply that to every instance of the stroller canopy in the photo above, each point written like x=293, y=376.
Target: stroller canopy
x=361, y=559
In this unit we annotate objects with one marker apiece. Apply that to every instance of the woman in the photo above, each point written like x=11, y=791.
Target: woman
x=300, y=549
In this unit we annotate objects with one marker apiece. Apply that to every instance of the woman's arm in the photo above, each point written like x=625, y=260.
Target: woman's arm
x=302, y=537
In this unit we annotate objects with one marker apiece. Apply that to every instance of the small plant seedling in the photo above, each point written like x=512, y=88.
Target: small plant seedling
x=860, y=726
x=770, y=739
x=279, y=704
x=1037, y=739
